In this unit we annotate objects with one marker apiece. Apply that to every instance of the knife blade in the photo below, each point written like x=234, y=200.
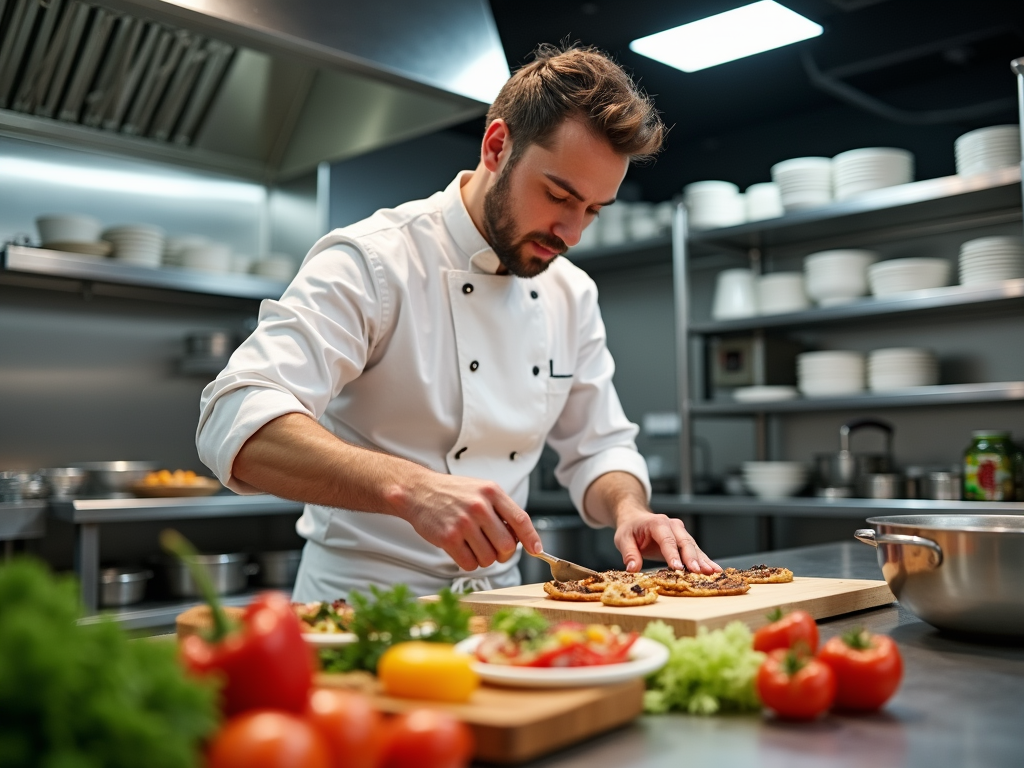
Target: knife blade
x=563, y=570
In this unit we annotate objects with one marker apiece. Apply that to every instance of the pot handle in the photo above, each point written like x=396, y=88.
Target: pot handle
x=850, y=427
x=868, y=536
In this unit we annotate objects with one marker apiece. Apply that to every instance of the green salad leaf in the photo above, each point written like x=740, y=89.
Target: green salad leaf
x=710, y=673
x=74, y=696
x=521, y=624
x=395, y=616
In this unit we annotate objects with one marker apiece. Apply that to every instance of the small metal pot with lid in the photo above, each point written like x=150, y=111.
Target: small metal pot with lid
x=837, y=474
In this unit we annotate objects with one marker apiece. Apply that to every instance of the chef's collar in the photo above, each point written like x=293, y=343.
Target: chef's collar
x=467, y=237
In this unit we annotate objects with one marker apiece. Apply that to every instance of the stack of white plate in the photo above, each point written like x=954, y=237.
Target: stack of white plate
x=72, y=232
x=207, y=257
x=991, y=259
x=804, y=182
x=774, y=479
x=276, y=266
x=987, y=149
x=780, y=292
x=139, y=244
x=861, y=170
x=902, y=367
x=763, y=201
x=713, y=204
x=175, y=247
x=838, y=277
x=899, y=275
x=830, y=374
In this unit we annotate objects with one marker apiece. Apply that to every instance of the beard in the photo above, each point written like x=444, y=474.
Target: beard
x=500, y=226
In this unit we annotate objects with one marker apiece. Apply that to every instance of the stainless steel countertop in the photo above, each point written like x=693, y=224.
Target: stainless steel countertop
x=959, y=703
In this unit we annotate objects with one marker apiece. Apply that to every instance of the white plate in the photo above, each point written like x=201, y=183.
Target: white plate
x=328, y=639
x=764, y=394
x=645, y=657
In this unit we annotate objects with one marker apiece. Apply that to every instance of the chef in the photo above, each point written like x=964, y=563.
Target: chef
x=404, y=385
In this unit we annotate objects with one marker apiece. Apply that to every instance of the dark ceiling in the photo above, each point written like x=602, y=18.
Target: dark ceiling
x=922, y=61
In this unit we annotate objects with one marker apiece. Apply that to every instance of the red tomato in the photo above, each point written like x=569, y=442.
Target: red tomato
x=352, y=729
x=264, y=738
x=795, y=686
x=788, y=631
x=425, y=738
x=868, y=669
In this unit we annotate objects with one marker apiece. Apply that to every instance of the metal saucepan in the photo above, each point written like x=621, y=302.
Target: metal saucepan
x=123, y=586
x=279, y=569
x=105, y=477
x=841, y=470
x=229, y=573
x=956, y=572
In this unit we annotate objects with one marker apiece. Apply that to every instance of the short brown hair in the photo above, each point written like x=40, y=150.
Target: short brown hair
x=567, y=82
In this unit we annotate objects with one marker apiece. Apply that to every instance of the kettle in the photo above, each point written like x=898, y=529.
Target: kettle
x=836, y=474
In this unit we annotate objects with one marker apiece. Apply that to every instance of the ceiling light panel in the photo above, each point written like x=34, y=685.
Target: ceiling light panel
x=735, y=34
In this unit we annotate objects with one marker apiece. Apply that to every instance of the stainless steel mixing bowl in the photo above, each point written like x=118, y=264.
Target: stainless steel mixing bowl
x=957, y=572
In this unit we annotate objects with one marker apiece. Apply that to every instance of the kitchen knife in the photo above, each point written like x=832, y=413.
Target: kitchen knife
x=563, y=570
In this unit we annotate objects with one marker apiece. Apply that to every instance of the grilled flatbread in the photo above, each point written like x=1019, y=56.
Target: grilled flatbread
x=618, y=577
x=763, y=574
x=686, y=584
x=572, y=591
x=620, y=594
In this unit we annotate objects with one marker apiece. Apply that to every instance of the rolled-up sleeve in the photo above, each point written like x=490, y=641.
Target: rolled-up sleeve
x=592, y=435
x=307, y=346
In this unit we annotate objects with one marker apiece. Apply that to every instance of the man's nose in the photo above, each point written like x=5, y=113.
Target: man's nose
x=569, y=230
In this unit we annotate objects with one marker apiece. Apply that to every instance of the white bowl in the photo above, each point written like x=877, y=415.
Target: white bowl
x=763, y=201
x=764, y=394
x=735, y=295
x=898, y=275
x=68, y=227
x=838, y=275
x=780, y=292
x=774, y=479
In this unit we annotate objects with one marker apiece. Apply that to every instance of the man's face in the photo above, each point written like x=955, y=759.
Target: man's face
x=538, y=207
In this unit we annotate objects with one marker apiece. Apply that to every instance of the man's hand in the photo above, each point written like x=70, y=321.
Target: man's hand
x=618, y=499
x=474, y=521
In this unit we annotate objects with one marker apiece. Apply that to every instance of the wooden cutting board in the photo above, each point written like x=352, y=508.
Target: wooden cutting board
x=821, y=598
x=512, y=725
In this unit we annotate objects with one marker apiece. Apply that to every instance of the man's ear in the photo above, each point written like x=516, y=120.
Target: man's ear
x=496, y=146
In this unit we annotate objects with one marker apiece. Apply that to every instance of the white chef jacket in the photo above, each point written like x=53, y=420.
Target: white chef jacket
x=398, y=335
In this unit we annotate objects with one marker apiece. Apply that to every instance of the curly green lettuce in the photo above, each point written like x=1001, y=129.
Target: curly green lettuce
x=76, y=696
x=707, y=674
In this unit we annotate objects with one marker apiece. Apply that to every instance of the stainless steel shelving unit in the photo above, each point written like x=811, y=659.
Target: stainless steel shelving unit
x=89, y=271
x=924, y=208
x=87, y=515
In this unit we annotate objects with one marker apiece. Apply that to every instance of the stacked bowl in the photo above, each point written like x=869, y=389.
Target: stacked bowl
x=830, y=374
x=861, y=170
x=72, y=232
x=987, y=149
x=774, y=479
x=781, y=292
x=713, y=204
x=838, y=277
x=804, y=182
x=763, y=201
x=900, y=275
x=139, y=244
x=207, y=257
x=902, y=367
x=991, y=259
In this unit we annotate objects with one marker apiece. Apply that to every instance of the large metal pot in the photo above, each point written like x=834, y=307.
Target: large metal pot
x=841, y=470
x=279, y=569
x=956, y=572
x=229, y=573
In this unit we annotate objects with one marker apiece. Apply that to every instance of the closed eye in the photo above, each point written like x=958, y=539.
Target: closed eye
x=554, y=199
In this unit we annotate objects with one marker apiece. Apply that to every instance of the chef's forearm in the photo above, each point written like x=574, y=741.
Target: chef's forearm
x=613, y=495
x=294, y=457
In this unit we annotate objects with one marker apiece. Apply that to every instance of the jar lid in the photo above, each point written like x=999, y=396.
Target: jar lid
x=990, y=433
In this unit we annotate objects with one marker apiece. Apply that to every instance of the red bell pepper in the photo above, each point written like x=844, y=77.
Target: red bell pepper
x=264, y=663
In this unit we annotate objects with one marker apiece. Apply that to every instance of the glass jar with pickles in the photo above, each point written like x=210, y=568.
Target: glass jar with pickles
x=989, y=467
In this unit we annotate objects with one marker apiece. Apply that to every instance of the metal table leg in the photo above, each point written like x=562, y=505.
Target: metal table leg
x=87, y=564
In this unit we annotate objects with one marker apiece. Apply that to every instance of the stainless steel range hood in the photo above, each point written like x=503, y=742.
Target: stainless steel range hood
x=264, y=89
